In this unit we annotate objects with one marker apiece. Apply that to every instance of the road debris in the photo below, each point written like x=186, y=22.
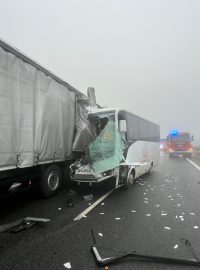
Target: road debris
x=59, y=209
x=67, y=265
x=101, y=213
x=113, y=259
x=88, y=198
x=22, y=224
x=192, y=214
x=167, y=228
x=176, y=246
x=70, y=202
x=117, y=218
x=195, y=227
x=148, y=215
x=100, y=234
x=102, y=203
x=133, y=211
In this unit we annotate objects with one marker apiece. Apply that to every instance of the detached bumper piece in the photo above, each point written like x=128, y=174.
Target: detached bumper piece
x=22, y=224
x=106, y=261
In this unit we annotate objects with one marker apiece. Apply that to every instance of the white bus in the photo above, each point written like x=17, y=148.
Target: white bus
x=140, y=145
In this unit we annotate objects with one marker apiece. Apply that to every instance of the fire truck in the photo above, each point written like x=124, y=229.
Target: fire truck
x=179, y=143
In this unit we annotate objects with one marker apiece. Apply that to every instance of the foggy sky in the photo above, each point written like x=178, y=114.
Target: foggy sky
x=140, y=55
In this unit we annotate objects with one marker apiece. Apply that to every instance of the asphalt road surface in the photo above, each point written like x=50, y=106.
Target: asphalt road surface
x=153, y=218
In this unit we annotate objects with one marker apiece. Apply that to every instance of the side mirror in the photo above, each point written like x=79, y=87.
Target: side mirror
x=122, y=126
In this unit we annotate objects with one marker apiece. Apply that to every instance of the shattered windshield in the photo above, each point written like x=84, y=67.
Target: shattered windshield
x=106, y=151
x=100, y=120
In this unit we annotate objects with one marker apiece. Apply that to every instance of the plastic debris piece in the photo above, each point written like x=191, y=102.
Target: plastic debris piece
x=157, y=205
x=176, y=217
x=192, y=214
x=148, y=215
x=59, y=209
x=146, y=202
x=101, y=213
x=100, y=234
x=178, y=204
x=163, y=214
x=117, y=218
x=22, y=224
x=167, y=228
x=169, y=196
x=133, y=211
x=89, y=203
x=102, y=203
x=171, y=199
x=146, y=199
x=195, y=227
x=145, y=193
x=67, y=265
x=176, y=246
x=88, y=197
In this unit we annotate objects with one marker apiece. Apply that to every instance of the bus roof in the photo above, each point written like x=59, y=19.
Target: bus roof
x=104, y=110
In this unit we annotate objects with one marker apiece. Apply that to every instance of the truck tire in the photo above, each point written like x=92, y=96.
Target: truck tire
x=51, y=180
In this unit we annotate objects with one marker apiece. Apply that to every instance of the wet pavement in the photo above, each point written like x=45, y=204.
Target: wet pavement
x=153, y=218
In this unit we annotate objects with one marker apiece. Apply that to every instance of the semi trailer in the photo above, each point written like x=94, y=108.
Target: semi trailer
x=42, y=119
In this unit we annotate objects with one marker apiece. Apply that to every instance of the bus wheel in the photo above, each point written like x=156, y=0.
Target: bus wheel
x=129, y=179
x=51, y=180
x=150, y=168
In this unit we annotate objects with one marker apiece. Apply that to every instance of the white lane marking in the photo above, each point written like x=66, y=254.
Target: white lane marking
x=86, y=211
x=194, y=164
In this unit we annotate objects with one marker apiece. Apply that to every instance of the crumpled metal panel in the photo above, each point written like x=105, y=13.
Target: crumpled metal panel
x=85, y=132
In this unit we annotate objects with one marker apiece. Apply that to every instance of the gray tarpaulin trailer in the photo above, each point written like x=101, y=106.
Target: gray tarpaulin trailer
x=41, y=117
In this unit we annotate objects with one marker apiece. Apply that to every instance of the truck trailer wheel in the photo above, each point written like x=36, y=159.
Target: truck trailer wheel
x=51, y=180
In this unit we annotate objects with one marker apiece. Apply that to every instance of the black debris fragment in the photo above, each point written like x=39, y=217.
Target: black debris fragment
x=22, y=224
